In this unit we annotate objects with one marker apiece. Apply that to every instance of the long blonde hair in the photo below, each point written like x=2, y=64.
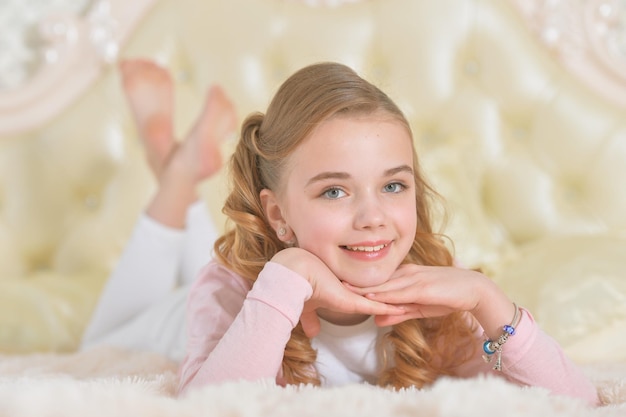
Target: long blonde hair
x=422, y=349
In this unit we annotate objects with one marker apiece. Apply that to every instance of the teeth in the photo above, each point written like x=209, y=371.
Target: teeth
x=365, y=248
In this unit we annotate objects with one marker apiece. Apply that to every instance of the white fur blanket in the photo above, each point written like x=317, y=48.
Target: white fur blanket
x=108, y=382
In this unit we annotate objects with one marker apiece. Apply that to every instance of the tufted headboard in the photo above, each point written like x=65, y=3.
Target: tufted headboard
x=528, y=152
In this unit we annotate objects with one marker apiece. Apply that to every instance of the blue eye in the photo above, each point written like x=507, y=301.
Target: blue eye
x=333, y=193
x=394, y=187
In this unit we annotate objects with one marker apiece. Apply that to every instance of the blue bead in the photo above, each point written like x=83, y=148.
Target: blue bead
x=509, y=329
x=487, y=349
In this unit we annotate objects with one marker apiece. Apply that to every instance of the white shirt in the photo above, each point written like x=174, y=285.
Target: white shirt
x=348, y=354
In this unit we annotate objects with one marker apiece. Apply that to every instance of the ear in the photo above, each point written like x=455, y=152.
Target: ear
x=274, y=215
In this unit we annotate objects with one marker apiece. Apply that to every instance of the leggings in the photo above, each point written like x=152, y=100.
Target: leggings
x=142, y=305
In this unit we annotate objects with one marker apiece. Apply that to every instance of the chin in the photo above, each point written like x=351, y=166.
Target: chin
x=367, y=280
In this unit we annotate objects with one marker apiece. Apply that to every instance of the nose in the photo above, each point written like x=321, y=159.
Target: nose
x=369, y=213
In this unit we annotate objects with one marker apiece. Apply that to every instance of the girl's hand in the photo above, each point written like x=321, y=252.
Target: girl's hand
x=432, y=291
x=328, y=292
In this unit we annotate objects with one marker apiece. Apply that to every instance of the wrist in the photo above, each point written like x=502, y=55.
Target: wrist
x=296, y=260
x=289, y=297
x=290, y=258
x=494, y=310
x=493, y=347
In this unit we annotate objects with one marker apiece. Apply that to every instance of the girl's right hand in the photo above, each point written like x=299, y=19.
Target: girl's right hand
x=329, y=293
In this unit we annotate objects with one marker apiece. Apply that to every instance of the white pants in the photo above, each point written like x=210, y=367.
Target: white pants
x=142, y=305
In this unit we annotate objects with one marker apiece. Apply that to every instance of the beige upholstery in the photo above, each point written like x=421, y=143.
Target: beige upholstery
x=531, y=161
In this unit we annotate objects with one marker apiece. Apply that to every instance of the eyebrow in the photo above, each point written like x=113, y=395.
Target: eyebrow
x=397, y=170
x=344, y=175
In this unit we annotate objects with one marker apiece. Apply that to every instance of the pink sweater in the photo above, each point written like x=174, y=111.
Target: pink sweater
x=237, y=332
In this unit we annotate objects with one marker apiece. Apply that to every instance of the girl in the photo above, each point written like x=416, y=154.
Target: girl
x=142, y=305
x=331, y=272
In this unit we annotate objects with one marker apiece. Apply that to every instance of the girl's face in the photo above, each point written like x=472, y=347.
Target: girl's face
x=349, y=197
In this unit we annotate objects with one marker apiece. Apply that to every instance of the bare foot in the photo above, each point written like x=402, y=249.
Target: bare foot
x=149, y=91
x=217, y=120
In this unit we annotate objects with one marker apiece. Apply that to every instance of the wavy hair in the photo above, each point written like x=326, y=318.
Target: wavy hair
x=419, y=350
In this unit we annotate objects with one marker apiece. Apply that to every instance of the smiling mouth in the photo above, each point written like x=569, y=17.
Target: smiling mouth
x=365, y=248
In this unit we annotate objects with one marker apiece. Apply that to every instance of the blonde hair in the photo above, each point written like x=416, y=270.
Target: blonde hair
x=421, y=349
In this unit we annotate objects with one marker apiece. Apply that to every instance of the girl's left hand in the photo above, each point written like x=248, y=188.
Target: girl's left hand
x=432, y=291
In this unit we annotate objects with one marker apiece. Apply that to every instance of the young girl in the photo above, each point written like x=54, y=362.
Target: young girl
x=331, y=273
x=142, y=305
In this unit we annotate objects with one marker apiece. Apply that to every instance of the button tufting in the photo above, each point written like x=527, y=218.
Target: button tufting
x=572, y=193
x=520, y=133
x=183, y=76
x=41, y=266
x=92, y=202
x=428, y=137
x=471, y=67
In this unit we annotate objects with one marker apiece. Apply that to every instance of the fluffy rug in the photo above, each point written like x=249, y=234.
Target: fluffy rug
x=108, y=382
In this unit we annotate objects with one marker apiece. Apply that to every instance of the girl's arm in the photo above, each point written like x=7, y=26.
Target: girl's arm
x=531, y=357
x=237, y=334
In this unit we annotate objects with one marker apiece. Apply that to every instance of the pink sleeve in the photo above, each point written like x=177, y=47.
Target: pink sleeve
x=236, y=334
x=531, y=357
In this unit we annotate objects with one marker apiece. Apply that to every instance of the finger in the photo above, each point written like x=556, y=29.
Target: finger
x=384, y=321
x=355, y=290
x=390, y=320
x=310, y=324
x=398, y=285
x=372, y=307
x=412, y=312
x=400, y=296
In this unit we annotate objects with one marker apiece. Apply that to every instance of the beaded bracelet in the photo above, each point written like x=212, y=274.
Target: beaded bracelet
x=490, y=347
